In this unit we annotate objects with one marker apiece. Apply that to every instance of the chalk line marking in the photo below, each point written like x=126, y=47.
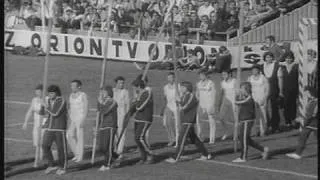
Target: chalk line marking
x=91, y=109
x=261, y=169
x=215, y=162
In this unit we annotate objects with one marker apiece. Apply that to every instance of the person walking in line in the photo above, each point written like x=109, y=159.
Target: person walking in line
x=188, y=113
x=206, y=92
x=260, y=91
x=169, y=111
x=121, y=96
x=78, y=110
x=55, y=130
x=37, y=134
x=107, y=128
x=246, y=118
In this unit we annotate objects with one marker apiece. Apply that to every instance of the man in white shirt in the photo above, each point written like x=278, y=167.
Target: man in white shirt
x=121, y=96
x=205, y=9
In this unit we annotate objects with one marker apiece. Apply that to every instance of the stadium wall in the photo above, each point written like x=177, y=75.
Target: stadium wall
x=130, y=50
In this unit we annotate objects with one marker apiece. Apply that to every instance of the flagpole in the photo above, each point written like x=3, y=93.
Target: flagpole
x=175, y=61
x=103, y=74
x=157, y=41
x=240, y=32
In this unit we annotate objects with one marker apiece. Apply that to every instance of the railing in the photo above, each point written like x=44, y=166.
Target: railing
x=284, y=28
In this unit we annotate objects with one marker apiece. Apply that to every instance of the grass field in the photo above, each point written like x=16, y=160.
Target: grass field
x=23, y=73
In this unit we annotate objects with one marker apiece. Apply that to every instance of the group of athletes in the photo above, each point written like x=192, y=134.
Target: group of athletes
x=185, y=112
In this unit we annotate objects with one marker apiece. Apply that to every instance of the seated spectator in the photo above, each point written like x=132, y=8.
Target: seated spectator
x=30, y=16
x=103, y=11
x=191, y=8
x=177, y=18
x=160, y=7
x=231, y=6
x=204, y=27
x=68, y=21
x=282, y=6
x=127, y=5
x=190, y=62
x=233, y=23
x=194, y=21
x=184, y=11
x=217, y=24
x=83, y=6
x=250, y=16
x=156, y=22
x=205, y=9
x=91, y=18
x=65, y=7
x=126, y=21
x=221, y=10
x=223, y=61
x=146, y=24
x=117, y=4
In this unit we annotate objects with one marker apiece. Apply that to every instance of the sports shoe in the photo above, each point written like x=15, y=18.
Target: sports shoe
x=60, y=172
x=171, y=160
x=265, y=153
x=74, y=158
x=150, y=160
x=294, y=155
x=239, y=160
x=50, y=169
x=204, y=158
x=104, y=168
x=171, y=144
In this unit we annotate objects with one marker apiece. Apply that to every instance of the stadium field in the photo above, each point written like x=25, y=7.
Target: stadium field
x=23, y=73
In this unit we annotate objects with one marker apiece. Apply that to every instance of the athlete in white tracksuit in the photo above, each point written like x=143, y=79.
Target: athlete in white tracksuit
x=34, y=110
x=121, y=96
x=170, y=113
x=206, y=92
x=260, y=88
x=78, y=110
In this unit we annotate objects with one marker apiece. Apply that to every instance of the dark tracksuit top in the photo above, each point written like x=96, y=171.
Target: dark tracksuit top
x=55, y=128
x=143, y=119
x=144, y=106
x=107, y=129
x=246, y=119
x=188, y=114
x=311, y=119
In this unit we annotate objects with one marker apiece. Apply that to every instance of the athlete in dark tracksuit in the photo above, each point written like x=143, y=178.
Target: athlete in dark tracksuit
x=55, y=130
x=188, y=113
x=107, y=129
x=142, y=120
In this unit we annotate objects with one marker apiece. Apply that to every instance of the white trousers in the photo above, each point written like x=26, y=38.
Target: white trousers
x=120, y=147
x=75, y=139
x=169, y=122
x=201, y=123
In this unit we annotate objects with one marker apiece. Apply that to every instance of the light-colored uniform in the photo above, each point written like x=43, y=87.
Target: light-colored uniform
x=170, y=115
x=259, y=94
x=121, y=96
x=206, y=93
x=77, y=112
x=228, y=103
x=37, y=118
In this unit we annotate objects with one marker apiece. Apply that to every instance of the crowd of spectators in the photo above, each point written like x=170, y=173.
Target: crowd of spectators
x=211, y=19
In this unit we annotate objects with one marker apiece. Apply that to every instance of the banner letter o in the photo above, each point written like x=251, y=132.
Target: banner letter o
x=78, y=45
x=156, y=55
x=36, y=40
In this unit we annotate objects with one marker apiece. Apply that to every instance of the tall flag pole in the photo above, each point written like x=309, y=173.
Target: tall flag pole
x=158, y=39
x=175, y=61
x=240, y=32
x=46, y=64
x=103, y=74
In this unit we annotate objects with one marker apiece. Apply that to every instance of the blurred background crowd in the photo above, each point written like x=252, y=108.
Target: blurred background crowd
x=207, y=19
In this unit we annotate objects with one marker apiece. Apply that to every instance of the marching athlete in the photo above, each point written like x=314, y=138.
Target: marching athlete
x=107, y=125
x=260, y=91
x=78, y=110
x=143, y=119
x=206, y=93
x=55, y=130
x=121, y=96
x=34, y=110
x=169, y=111
x=227, y=110
x=246, y=118
x=309, y=122
x=188, y=114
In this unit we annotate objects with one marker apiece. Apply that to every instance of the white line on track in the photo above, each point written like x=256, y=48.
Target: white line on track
x=26, y=103
x=215, y=162
x=15, y=124
x=262, y=169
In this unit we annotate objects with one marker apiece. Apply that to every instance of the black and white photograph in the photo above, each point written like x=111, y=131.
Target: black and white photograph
x=160, y=89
